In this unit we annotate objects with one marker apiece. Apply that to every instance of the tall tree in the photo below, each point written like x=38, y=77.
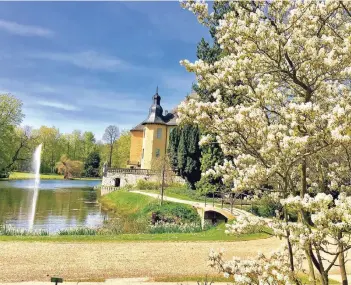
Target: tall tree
x=211, y=154
x=184, y=153
x=92, y=165
x=69, y=168
x=110, y=136
x=10, y=117
x=121, y=153
x=88, y=143
x=291, y=127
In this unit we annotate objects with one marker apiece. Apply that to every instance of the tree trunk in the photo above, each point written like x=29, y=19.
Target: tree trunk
x=324, y=278
x=304, y=219
x=311, y=275
x=291, y=256
x=110, y=159
x=341, y=257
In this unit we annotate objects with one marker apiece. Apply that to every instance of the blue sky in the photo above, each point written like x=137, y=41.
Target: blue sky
x=88, y=65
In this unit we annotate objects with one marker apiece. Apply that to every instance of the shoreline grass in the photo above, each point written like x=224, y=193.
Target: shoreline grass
x=213, y=235
x=25, y=175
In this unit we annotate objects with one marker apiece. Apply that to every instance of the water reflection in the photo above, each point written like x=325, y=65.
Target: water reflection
x=60, y=205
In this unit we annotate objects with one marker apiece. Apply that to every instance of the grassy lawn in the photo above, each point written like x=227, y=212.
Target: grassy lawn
x=126, y=203
x=213, y=234
x=179, y=193
x=25, y=175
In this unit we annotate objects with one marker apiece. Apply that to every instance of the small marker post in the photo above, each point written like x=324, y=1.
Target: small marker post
x=56, y=280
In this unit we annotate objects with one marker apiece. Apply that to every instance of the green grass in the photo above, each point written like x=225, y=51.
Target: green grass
x=25, y=175
x=126, y=203
x=213, y=234
x=134, y=211
x=304, y=279
x=179, y=193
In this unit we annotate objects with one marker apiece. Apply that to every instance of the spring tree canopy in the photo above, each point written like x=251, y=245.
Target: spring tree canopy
x=289, y=64
x=292, y=60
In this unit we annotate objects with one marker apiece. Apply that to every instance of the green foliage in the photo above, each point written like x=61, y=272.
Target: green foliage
x=135, y=211
x=11, y=141
x=210, y=156
x=69, y=168
x=92, y=165
x=213, y=234
x=174, y=137
x=211, y=53
x=172, y=212
x=184, y=153
x=147, y=185
x=121, y=151
x=78, y=232
x=8, y=230
x=162, y=227
x=267, y=207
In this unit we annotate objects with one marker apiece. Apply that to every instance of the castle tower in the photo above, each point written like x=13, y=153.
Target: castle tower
x=149, y=139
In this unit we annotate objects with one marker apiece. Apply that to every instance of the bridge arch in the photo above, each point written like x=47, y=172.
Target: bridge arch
x=214, y=216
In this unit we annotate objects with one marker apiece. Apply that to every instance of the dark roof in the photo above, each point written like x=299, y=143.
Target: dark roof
x=139, y=127
x=170, y=119
x=156, y=115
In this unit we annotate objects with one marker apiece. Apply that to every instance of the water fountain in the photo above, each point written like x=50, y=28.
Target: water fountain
x=36, y=167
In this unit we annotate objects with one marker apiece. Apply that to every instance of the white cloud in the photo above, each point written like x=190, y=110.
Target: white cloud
x=58, y=105
x=24, y=30
x=86, y=59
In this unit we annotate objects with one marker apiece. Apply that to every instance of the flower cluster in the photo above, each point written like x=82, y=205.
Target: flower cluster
x=263, y=270
x=295, y=102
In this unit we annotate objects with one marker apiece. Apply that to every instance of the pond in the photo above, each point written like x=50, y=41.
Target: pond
x=61, y=204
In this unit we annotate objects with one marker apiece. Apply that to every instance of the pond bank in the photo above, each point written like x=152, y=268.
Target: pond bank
x=52, y=176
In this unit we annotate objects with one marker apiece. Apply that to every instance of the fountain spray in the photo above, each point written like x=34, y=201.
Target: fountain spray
x=36, y=166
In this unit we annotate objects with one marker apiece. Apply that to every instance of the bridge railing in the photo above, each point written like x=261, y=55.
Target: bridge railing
x=231, y=199
x=138, y=171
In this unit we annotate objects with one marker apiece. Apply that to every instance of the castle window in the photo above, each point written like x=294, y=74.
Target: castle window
x=159, y=133
x=157, y=152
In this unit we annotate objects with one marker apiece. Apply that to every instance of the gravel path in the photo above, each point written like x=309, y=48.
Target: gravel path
x=37, y=261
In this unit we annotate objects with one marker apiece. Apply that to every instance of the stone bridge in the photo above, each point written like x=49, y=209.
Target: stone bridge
x=207, y=212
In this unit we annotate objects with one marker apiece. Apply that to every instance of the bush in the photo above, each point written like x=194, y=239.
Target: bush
x=147, y=185
x=172, y=213
x=4, y=175
x=267, y=207
x=78, y=232
x=162, y=227
x=8, y=230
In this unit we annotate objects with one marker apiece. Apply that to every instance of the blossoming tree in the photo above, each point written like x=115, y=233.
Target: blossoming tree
x=289, y=62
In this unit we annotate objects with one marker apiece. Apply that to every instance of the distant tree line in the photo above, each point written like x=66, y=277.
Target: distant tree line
x=72, y=154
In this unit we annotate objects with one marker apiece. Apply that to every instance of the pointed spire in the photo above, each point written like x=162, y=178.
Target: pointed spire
x=156, y=97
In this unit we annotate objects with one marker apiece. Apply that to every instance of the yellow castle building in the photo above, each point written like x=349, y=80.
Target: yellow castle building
x=149, y=139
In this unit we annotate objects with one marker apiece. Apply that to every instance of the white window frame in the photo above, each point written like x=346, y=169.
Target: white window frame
x=159, y=133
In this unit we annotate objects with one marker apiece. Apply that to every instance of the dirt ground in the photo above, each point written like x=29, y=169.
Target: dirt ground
x=37, y=261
